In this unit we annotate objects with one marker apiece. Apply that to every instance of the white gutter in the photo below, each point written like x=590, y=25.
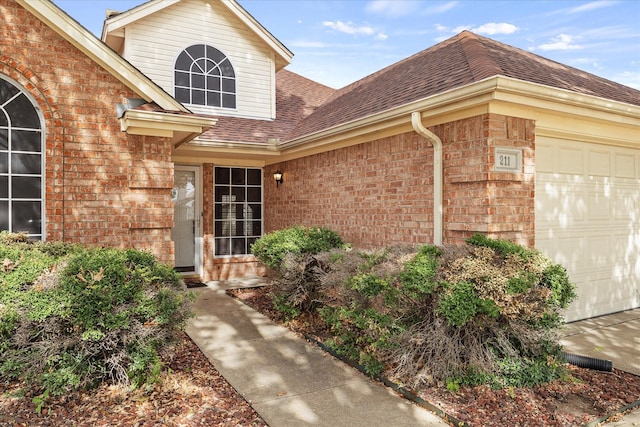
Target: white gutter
x=416, y=122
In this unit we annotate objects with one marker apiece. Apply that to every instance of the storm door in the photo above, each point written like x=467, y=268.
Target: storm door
x=186, y=232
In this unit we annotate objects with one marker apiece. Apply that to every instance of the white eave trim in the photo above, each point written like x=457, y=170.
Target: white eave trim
x=181, y=128
x=123, y=19
x=483, y=92
x=81, y=38
x=269, y=147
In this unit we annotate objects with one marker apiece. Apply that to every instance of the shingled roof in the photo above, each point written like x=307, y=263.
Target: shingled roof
x=461, y=60
x=296, y=98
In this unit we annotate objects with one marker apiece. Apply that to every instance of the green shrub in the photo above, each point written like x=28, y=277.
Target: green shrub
x=483, y=313
x=418, y=277
x=503, y=247
x=460, y=304
x=272, y=248
x=363, y=335
x=290, y=253
x=72, y=317
x=562, y=291
x=493, y=317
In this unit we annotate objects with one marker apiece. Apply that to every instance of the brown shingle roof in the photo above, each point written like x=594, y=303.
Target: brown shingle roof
x=458, y=61
x=296, y=98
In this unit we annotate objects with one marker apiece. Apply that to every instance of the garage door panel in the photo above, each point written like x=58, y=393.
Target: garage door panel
x=599, y=202
x=600, y=252
x=599, y=163
x=561, y=202
x=544, y=158
x=588, y=219
x=627, y=207
x=598, y=297
x=625, y=166
x=570, y=161
x=566, y=251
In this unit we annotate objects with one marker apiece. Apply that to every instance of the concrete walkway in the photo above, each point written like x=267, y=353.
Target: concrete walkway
x=291, y=382
x=287, y=380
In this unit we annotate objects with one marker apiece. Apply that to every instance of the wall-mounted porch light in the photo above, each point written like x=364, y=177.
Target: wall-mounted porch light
x=278, y=178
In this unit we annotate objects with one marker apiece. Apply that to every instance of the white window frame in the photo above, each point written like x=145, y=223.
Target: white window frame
x=9, y=151
x=245, y=203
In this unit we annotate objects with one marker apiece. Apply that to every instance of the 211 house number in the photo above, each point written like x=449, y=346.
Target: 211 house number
x=506, y=161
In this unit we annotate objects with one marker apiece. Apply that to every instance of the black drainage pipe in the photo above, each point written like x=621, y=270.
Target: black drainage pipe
x=589, y=362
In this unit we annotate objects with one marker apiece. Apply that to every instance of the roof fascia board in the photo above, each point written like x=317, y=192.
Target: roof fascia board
x=172, y=121
x=82, y=39
x=618, y=141
x=466, y=96
x=218, y=159
x=232, y=145
x=123, y=19
x=474, y=94
x=281, y=50
x=154, y=123
x=561, y=100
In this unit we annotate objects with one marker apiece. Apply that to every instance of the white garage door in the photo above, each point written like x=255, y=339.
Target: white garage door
x=588, y=219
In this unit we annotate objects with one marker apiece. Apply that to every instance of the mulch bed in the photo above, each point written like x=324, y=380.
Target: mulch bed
x=588, y=397
x=192, y=393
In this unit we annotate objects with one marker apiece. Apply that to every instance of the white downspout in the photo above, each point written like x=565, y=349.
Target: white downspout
x=416, y=122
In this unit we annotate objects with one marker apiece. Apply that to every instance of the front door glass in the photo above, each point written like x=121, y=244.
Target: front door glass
x=185, y=220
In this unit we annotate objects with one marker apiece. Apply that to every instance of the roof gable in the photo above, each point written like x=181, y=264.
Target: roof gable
x=113, y=29
x=456, y=62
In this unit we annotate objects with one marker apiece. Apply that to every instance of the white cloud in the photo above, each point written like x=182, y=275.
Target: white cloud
x=493, y=28
x=560, y=42
x=489, y=29
x=349, y=28
x=592, y=6
x=392, y=8
x=445, y=7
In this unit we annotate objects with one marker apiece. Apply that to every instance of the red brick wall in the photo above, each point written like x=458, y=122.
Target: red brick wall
x=103, y=187
x=374, y=194
x=380, y=193
x=477, y=199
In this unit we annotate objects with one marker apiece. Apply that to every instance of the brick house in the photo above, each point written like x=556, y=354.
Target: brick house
x=166, y=136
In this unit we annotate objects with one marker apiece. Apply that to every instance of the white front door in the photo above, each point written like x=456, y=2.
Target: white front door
x=187, y=219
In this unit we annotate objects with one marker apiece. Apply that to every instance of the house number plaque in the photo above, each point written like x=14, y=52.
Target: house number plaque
x=508, y=159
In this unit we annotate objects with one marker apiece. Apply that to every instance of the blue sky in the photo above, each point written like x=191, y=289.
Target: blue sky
x=339, y=42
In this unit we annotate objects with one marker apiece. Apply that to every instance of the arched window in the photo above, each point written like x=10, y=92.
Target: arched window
x=204, y=76
x=21, y=162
